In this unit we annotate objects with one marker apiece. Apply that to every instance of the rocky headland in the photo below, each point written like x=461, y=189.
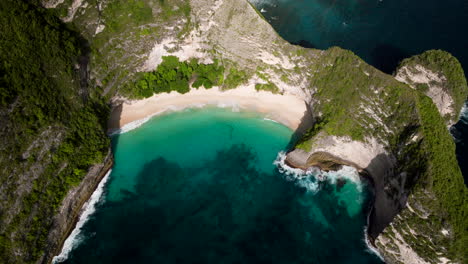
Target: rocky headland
x=391, y=128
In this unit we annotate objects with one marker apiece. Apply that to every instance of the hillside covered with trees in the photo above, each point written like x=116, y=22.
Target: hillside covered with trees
x=52, y=124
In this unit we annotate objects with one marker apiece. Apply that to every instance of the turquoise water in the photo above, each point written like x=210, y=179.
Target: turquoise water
x=200, y=186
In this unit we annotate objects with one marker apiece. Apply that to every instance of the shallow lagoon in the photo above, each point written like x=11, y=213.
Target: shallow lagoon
x=200, y=186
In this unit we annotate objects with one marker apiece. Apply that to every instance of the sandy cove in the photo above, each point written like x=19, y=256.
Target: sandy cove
x=287, y=109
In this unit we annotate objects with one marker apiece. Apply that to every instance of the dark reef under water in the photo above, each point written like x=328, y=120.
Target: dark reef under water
x=237, y=215
x=226, y=202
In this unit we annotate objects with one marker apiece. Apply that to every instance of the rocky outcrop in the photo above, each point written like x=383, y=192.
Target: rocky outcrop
x=396, y=136
x=439, y=75
x=72, y=204
x=432, y=84
x=370, y=159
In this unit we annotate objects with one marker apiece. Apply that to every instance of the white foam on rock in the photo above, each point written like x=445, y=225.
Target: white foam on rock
x=99, y=29
x=370, y=247
x=311, y=177
x=75, y=238
x=464, y=114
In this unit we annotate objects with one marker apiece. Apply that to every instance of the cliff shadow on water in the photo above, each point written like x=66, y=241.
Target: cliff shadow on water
x=387, y=57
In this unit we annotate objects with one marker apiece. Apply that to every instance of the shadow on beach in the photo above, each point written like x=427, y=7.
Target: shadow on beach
x=307, y=122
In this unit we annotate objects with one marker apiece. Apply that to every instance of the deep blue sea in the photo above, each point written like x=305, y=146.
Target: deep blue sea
x=382, y=32
x=201, y=186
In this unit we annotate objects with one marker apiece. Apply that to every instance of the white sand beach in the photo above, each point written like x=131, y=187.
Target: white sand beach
x=287, y=109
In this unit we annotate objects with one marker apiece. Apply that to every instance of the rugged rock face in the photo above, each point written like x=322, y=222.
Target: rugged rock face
x=370, y=159
x=50, y=132
x=362, y=117
x=70, y=209
x=438, y=75
x=232, y=32
x=396, y=135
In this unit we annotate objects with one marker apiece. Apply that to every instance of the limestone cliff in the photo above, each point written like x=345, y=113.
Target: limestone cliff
x=397, y=136
x=357, y=115
x=438, y=75
x=51, y=129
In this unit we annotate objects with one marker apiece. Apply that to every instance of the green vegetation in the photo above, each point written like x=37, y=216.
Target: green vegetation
x=129, y=29
x=304, y=142
x=117, y=18
x=343, y=90
x=435, y=158
x=443, y=176
x=360, y=105
x=41, y=93
x=443, y=62
x=235, y=78
x=53, y=121
x=270, y=87
x=174, y=75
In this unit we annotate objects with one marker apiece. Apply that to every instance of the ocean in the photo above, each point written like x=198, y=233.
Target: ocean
x=381, y=32
x=209, y=185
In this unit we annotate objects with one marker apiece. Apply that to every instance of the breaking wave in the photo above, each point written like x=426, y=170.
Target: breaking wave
x=75, y=238
x=137, y=123
x=311, y=177
x=271, y=120
x=464, y=114
x=370, y=248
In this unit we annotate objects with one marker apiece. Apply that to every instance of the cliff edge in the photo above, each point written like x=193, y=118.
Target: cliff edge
x=61, y=74
x=397, y=135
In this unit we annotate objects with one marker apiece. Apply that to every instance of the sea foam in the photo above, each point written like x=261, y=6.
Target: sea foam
x=370, y=248
x=311, y=177
x=271, y=120
x=464, y=114
x=75, y=238
x=137, y=123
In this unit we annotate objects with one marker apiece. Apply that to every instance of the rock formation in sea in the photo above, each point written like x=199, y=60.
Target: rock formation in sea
x=391, y=128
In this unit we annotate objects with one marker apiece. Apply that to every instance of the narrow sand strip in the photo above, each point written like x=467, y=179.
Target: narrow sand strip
x=287, y=109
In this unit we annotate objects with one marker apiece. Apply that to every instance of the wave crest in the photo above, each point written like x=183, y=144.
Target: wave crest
x=370, y=248
x=75, y=238
x=311, y=177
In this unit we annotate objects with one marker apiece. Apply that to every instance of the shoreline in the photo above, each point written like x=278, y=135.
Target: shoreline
x=286, y=109
x=73, y=206
x=364, y=176
x=87, y=210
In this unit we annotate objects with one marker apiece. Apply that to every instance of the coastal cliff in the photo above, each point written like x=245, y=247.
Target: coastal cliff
x=439, y=76
x=396, y=135
x=389, y=128
x=70, y=209
x=52, y=138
